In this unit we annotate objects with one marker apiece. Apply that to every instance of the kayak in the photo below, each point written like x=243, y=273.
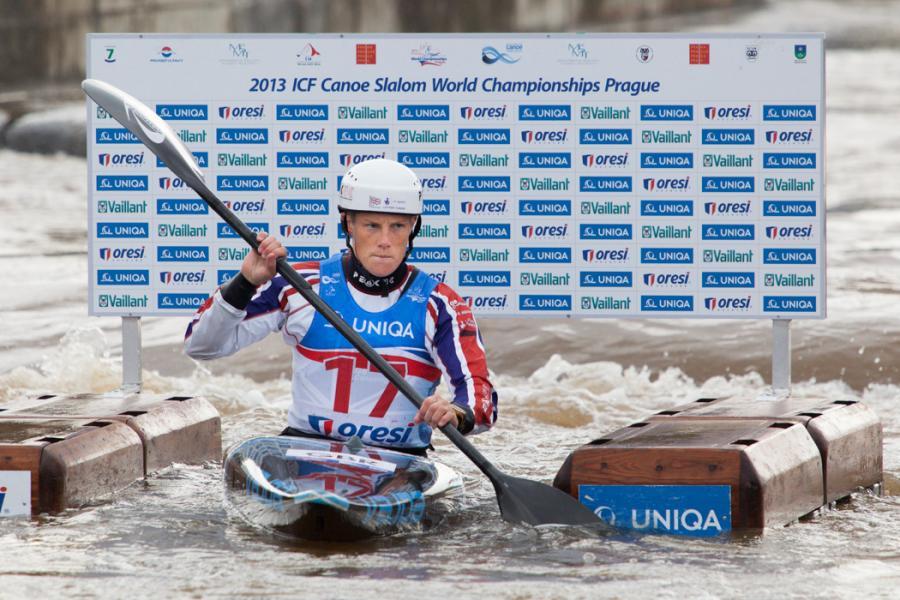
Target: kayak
x=327, y=490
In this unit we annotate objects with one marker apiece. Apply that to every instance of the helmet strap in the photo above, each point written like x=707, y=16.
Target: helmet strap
x=412, y=236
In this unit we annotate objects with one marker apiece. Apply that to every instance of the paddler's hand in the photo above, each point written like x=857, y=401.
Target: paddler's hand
x=259, y=265
x=437, y=412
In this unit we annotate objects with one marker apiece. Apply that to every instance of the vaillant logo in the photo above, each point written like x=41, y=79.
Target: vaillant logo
x=604, y=207
x=122, y=207
x=181, y=230
x=605, y=113
x=183, y=112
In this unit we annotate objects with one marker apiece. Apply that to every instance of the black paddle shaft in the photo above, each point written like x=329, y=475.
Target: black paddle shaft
x=520, y=500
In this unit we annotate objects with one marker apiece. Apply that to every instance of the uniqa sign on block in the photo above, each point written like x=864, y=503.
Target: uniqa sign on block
x=694, y=510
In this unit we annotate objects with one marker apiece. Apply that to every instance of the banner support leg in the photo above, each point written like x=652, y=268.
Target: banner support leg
x=781, y=357
x=131, y=354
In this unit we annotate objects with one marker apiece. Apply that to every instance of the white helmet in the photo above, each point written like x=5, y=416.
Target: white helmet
x=381, y=185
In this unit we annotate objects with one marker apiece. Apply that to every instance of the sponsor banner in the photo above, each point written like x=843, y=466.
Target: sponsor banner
x=549, y=187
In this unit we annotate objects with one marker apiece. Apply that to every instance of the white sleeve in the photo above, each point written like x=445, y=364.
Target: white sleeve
x=219, y=329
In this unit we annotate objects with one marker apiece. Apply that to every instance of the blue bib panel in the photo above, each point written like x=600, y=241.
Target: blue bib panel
x=342, y=393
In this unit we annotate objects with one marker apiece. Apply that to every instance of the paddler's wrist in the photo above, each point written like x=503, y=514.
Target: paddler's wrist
x=465, y=418
x=238, y=292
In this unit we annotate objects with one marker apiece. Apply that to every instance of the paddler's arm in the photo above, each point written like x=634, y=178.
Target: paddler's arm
x=456, y=347
x=243, y=311
x=437, y=411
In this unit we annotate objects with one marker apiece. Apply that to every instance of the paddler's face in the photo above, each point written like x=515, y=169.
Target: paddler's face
x=380, y=240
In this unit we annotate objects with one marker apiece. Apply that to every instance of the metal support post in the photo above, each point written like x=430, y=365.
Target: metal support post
x=131, y=354
x=781, y=357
